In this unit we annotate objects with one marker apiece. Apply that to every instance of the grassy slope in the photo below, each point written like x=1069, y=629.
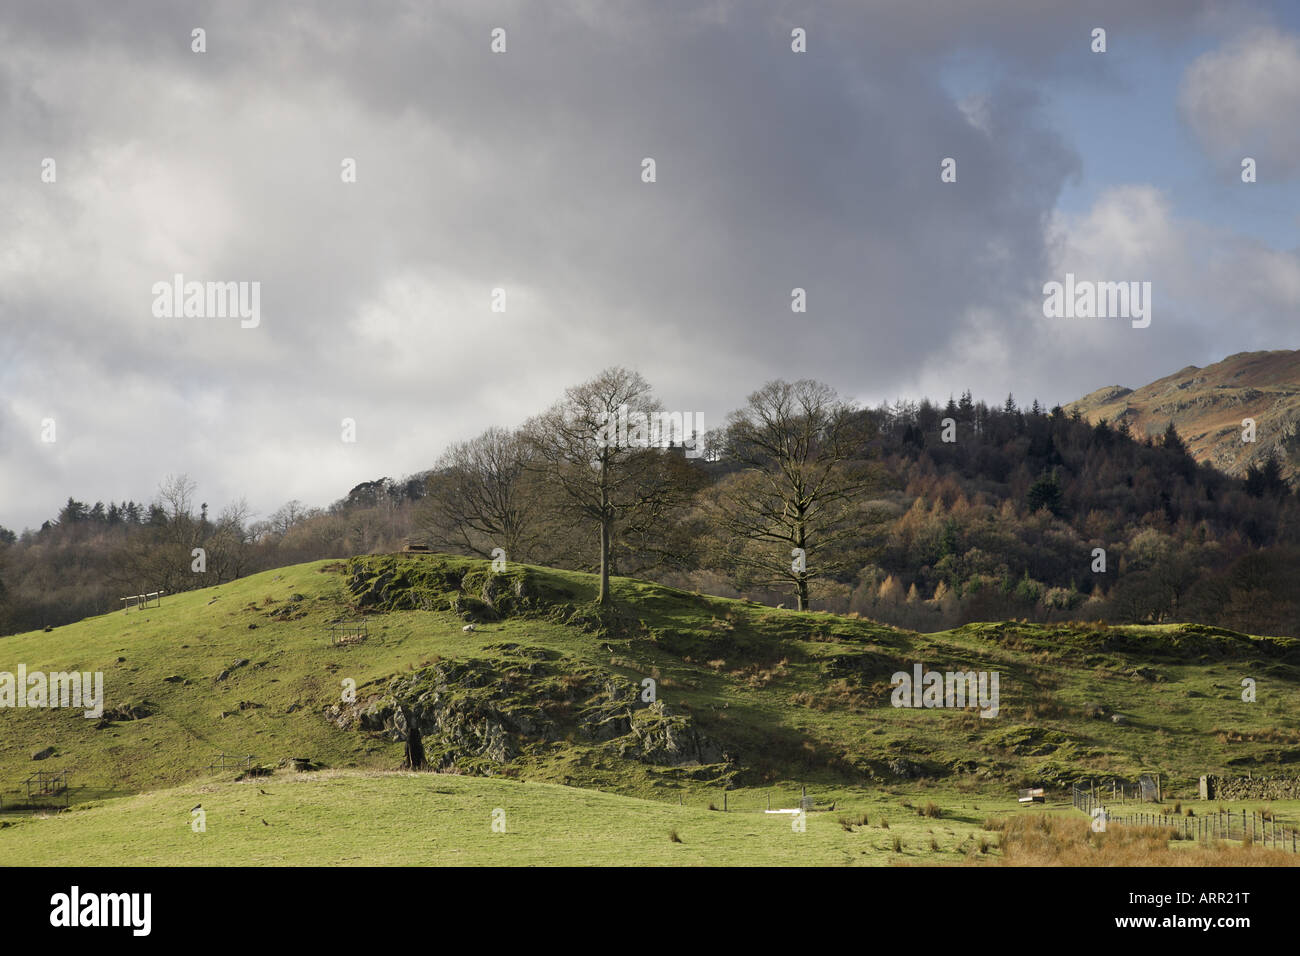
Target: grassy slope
x=757, y=679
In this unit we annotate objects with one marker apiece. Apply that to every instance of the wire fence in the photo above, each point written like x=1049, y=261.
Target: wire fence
x=1250, y=827
x=744, y=801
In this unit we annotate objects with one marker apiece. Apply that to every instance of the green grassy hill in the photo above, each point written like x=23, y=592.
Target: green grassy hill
x=546, y=689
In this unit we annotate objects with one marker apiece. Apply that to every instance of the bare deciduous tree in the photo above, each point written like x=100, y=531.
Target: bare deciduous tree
x=228, y=545
x=600, y=473
x=798, y=443
x=482, y=496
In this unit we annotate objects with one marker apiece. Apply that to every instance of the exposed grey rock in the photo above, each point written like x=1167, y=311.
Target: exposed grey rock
x=901, y=767
x=662, y=737
x=492, y=711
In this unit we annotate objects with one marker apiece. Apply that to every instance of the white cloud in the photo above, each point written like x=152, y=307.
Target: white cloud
x=1243, y=99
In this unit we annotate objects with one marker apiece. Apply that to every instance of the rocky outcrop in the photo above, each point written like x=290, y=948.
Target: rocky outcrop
x=659, y=736
x=387, y=583
x=478, y=715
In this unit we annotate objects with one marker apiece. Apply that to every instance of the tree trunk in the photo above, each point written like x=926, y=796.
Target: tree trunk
x=604, y=563
x=801, y=583
x=414, y=743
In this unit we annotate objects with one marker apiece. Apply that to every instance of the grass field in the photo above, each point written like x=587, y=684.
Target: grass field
x=797, y=699
x=369, y=818
x=357, y=818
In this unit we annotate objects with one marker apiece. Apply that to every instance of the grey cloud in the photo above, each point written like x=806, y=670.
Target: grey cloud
x=775, y=170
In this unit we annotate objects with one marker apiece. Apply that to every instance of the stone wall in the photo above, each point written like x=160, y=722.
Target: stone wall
x=1214, y=787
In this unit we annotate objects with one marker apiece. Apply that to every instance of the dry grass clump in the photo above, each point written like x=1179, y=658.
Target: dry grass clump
x=1045, y=840
x=759, y=675
x=850, y=820
x=1271, y=735
x=839, y=694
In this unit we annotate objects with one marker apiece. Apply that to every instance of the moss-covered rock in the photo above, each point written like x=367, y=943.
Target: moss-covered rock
x=478, y=715
x=425, y=583
x=660, y=736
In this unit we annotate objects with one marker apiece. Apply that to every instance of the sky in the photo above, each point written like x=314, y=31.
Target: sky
x=522, y=171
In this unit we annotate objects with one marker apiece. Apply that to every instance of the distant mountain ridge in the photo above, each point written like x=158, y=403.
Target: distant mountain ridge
x=1207, y=406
